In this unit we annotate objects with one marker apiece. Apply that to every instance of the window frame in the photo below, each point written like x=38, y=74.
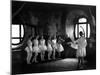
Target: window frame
x=20, y=37
x=77, y=23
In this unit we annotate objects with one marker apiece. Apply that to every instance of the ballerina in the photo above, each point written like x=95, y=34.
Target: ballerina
x=42, y=47
x=49, y=48
x=28, y=49
x=60, y=48
x=54, y=46
x=80, y=46
x=36, y=49
x=81, y=51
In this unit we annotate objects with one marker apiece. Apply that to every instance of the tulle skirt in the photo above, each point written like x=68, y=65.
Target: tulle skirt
x=60, y=48
x=42, y=47
x=54, y=46
x=49, y=48
x=81, y=52
x=36, y=49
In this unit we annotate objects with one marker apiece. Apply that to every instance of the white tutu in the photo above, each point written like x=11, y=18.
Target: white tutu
x=42, y=47
x=54, y=44
x=49, y=47
x=36, y=49
x=60, y=48
x=27, y=49
x=81, y=52
x=73, y=45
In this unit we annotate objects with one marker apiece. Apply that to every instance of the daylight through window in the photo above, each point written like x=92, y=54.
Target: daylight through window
x=17, y=34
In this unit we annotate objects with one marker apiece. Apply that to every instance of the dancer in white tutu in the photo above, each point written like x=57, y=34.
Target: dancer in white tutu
x=42, y=47
x=81, y=51
x=49, y=48
x=36, y=49
x=60, y=48
x=28, y=49
x=54, y=45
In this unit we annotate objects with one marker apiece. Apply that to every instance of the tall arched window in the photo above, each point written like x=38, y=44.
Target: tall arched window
x=84, y=26
x=17, y=34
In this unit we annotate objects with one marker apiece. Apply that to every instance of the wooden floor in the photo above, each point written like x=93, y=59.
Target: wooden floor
x=68, y=64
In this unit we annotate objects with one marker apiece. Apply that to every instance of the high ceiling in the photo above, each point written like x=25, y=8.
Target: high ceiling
x=44, y=10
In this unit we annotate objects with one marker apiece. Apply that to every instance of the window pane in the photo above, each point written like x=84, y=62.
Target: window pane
x=14, y=46
x=81, y=20
x=15, y=41
x=15, y=30
x=82, y=27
